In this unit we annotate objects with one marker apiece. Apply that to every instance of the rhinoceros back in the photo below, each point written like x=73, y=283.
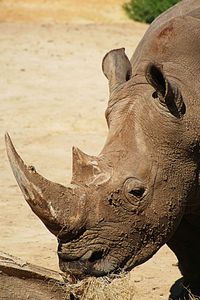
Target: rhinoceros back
x=182, y=19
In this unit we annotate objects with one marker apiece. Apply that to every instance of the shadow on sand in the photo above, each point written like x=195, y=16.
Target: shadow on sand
x=179, y=291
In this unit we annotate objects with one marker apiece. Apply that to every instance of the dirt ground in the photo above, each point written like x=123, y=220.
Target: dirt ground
x=53, y=95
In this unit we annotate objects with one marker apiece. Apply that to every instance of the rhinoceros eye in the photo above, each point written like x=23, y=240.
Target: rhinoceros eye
x=134, y=190
x=137, y=192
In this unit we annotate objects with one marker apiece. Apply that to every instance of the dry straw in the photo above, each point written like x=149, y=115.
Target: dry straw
x=192, y=297
x=102, y=289
x=105, y=288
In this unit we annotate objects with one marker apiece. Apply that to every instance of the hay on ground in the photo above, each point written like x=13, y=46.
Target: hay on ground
x=103, y=288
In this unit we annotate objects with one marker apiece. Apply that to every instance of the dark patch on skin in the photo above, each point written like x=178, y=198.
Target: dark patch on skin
x=166, y=32
x=164, y=38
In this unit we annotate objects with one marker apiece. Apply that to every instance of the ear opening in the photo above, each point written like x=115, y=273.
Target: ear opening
x=156, y=78
x=128, y=74
x=167, y=92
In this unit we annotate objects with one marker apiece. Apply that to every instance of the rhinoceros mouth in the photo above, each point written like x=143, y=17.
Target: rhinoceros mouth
x=103, y=262
x=97, y=259
x=92, y=263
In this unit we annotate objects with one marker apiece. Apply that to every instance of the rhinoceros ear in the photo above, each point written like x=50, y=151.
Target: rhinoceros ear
x=116, y=67
x=167, y=92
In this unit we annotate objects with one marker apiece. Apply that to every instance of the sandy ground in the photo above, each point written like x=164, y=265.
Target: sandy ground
x=53, y=95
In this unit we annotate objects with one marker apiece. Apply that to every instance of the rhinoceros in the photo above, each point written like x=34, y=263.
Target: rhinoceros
x=142, y=190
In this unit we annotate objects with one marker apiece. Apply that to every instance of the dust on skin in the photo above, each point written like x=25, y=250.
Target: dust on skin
x=46, y=53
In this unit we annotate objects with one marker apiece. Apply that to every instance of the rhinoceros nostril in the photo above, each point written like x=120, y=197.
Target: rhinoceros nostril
x=96, y=255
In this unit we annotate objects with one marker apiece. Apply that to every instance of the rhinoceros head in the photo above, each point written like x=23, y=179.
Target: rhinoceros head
x=124, y=204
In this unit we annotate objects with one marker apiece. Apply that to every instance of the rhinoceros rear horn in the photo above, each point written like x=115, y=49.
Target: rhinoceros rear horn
x=116, y=67
x=53, y=203
x=167, y=92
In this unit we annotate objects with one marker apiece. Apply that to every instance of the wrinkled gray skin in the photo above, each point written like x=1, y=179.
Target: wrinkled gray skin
x=142, y=191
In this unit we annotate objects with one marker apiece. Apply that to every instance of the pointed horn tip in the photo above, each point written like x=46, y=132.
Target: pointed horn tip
x=75, y=152
x=74, y=149
x=80, y=157
x=9, y=145
x=7, y=138
x=78, y=152
x=12, y=154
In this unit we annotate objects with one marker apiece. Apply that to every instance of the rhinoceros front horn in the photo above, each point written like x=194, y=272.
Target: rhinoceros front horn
x=57, y=206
